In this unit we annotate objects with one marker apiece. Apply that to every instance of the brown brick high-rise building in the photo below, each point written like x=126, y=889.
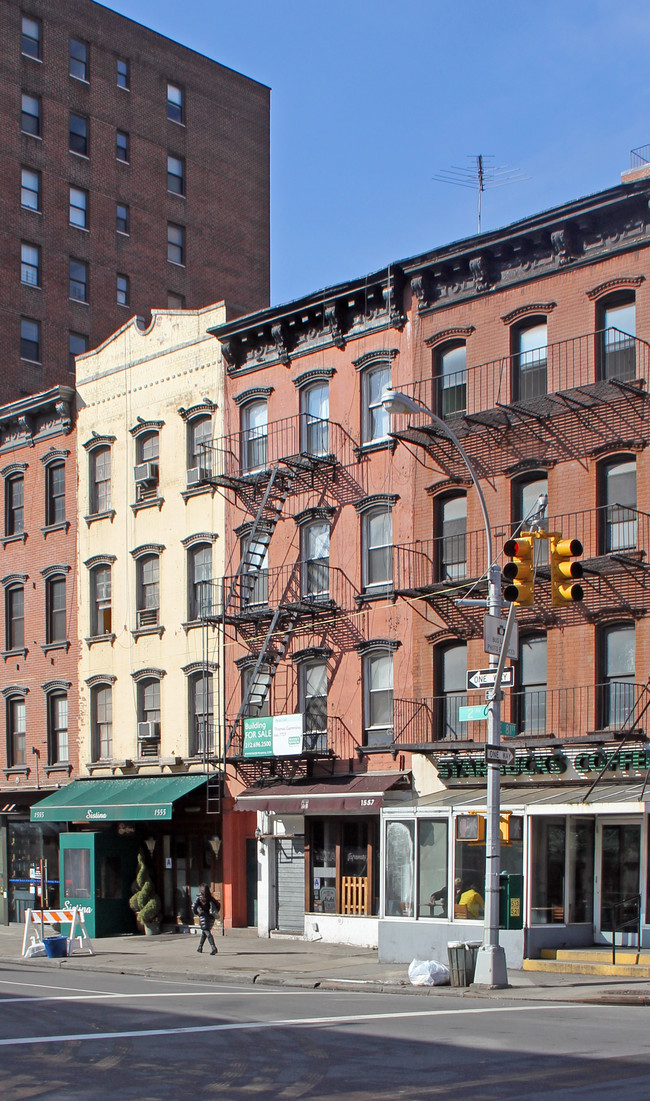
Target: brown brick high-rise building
x=134, y=173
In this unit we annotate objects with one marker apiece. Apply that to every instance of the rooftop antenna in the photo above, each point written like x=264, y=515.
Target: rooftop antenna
x=480, y=175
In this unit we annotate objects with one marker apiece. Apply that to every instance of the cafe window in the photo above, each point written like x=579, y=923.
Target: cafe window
x=547, y=885
x=469, y=860
x=343, y=865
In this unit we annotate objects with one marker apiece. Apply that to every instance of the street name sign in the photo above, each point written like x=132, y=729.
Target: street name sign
x=494, y=628
x=486, y=678
x=499, y=755
x=508, y=730
x=472, y=714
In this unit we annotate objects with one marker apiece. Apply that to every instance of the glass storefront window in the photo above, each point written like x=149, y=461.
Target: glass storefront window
x=548, y=860
x=581, y=865
x=324, y=866
x=433, y=888
x=400, y=838
x=76, y=873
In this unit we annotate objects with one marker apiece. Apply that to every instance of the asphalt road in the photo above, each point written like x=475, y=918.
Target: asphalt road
x=72, y=1036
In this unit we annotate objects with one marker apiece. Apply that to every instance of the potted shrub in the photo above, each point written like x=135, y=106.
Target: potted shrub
x=144, y=901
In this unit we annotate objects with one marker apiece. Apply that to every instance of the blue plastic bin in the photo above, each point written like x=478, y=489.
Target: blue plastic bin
x=55, y=947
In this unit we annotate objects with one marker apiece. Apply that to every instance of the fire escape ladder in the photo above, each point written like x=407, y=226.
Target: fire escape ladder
x=259, y=536
x=266, y=666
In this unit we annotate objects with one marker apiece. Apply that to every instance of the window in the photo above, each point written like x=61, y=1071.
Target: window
x=377, y=548
x=529, y=362
x=78, y=207
x=259, y=700
x=14, y=505
x=530, y=697
x=122, y=290
x=400, y=868
x=55, y=493
x=78, y=59
x=57, y=630
x=15, y=618
x=175, y=301
x=620, y=516
x=30, y=189
x=122, y=146
x=30, y=339
x=146, y=470
x=100, y=600
x=57, y=732
x=199, y=444
x=148, y=591
x=433, y=890
x=175, y=105
x=79, y=280
x=378, y=698
x=100, y=480
x=617, y=324
x=316, y=560
x=16, y=730
x=199, y=571
x=201, y=690
x=315, y=418
x=254, y=422
x=31, y=39
x=452, y=678
x=618, y=659
x=342, y=865
x=313, y=704
x=30, y=264
x=451, y=542
x=175, y=243
x=149, y=707
x=30, y=115
x=122, y=218
x=102, y=722
x=77, y=345
x=78, y=139
x=123, y=76
x=526, y=493
x=450, y=380
x=176, y=175
x=255, y=573
x=375, y=420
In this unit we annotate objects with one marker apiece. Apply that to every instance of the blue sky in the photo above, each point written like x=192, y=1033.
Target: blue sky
x=370, y=100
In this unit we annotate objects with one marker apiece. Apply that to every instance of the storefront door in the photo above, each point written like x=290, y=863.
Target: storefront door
x=618, y=863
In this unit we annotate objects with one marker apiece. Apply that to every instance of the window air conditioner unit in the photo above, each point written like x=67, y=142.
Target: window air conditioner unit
x=197, y=475
x=145, y=472
x=148, y=732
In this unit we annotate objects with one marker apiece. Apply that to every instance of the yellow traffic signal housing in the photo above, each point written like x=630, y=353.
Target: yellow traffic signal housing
x=564, y=572
x=518, y=574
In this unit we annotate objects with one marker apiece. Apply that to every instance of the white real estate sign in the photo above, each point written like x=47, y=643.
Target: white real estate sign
x=273, y=736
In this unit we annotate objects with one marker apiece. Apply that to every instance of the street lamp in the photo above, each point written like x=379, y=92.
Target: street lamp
x=491, y=962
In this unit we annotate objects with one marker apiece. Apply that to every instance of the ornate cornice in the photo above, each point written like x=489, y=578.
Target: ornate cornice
x=445, y=634
x=145, y=426
x=463, y=482
x=13, y=579
x=312, y=653
x=147, y=548
x=204, y=407
x=98, y=441
x=374, y=357
x=526, y=311
x=54, y=570
x=55, y=454
x=376, y=500
x=255, y=392
x=198, y=667
x=528, y=466
x=460, y=332
x=100, y=560
x=317, y=512
x=390, y=644
x=13, y=468
x=56, y=686
x=13, y=690
x=149, y=673
x=101, y=678
x=318, y=374
x=619, y=284
x=200, y=537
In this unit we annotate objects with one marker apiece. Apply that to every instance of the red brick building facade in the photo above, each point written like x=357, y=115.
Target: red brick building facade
x=134, y=174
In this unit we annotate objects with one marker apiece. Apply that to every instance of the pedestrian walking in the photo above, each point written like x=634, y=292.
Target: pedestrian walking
x=206, y=907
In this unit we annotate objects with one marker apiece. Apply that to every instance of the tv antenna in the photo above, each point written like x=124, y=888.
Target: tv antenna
x=480, y=175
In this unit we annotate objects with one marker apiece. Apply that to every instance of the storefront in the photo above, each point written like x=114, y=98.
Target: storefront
x=28, y=852
x=164, y=817
x=318, y=855
x=578, y=839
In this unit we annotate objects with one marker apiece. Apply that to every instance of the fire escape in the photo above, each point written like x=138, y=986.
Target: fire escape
x=263, y=467
x=584, y=397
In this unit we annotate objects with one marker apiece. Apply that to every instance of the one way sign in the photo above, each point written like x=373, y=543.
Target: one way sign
x=485, y=678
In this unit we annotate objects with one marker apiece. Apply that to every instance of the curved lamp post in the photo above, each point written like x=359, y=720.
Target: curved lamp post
x=491, y=962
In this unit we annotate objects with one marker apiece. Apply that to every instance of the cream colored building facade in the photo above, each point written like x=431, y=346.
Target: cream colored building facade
x=150, y=543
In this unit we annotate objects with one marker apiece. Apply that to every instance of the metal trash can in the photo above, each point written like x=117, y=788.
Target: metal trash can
x=462, y=961
x=55, y=947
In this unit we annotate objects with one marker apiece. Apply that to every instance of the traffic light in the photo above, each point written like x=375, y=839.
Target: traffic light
x=518, y=574
x=563, y=571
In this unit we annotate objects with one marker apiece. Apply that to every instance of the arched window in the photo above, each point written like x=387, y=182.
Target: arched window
x=451, y=678
x=529, y=346
x=148, y=591
x=148, y=717
x=16, y=728
x=616, y=322
x=147, y=451
x=100, y=600
x=58, y=750
x=451, y=537
x=14, y=505
x=316, y=559
x=377, y=542
x=526, y=493
x=100, y=480
x=375, y=420
x=450, y=379
x=101, y=710
x=14, y=617
x=199, y=448
x=313, y=703
x=618, y=513
x=254, y=443
x=378, y=697
x=199, y=580
x=56, y=619
x=54, y=494
x=201, y=705
x=618, y=671
x=530, y=697
x=315, y=408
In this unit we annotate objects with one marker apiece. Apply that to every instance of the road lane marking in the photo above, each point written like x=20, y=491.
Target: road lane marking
x=47, y=986
x=92, y=996
x=297, y=1022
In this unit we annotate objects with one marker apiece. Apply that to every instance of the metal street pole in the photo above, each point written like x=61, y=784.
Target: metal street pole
x=491, y=961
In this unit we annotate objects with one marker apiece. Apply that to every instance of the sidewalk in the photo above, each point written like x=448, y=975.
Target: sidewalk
x=246, y=958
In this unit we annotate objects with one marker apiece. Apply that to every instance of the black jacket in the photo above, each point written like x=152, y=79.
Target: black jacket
x=205, y=909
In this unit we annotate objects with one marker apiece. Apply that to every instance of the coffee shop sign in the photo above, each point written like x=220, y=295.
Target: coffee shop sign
x=548, y=765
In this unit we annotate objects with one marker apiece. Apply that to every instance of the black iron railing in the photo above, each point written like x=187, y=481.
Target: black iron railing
x=301, y=441
x=335, y=740
x=312, y=587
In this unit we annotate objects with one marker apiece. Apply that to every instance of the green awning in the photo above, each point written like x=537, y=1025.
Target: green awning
x=136, y=799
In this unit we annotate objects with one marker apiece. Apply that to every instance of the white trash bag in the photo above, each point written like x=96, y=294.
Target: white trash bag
x=428, y=973
x=35, y=949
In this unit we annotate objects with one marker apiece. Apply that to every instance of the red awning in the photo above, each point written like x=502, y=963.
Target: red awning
x=359, y=794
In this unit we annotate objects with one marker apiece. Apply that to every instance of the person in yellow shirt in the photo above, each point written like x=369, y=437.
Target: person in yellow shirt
x=473, y=901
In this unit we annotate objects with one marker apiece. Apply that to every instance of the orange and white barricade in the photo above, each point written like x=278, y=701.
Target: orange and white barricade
x=36, y=920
